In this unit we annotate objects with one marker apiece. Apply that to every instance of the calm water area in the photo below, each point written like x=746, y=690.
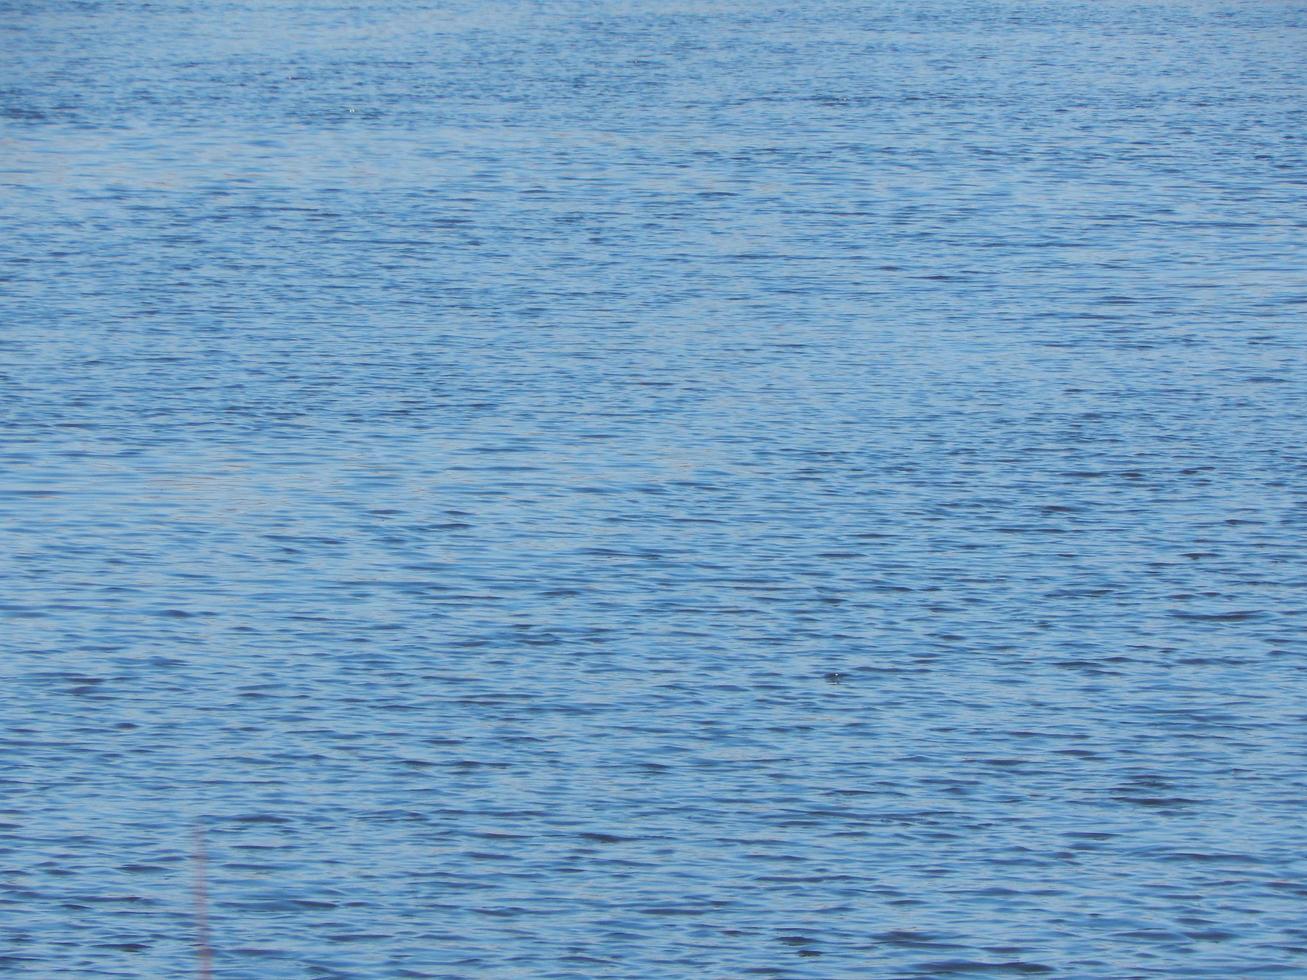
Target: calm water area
x=665, y=489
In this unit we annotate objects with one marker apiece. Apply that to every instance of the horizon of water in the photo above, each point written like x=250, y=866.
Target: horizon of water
x=677, y=489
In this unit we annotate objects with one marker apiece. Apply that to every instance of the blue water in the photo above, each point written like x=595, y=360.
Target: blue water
x=654, y=490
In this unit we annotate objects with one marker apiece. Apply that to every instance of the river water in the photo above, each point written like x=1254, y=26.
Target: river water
x=670, y=489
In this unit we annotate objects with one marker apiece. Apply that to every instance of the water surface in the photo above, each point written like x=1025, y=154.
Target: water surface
x=654, y=490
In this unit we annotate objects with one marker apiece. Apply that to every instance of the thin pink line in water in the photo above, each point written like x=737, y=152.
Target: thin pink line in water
x=200, y=860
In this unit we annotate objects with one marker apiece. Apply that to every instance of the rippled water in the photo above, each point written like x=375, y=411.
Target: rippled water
x=665, y=489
